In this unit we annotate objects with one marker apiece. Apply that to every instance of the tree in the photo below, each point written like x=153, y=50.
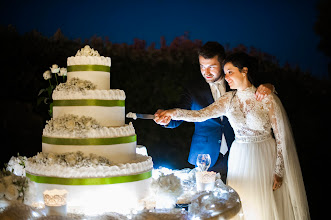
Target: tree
x=322, y=28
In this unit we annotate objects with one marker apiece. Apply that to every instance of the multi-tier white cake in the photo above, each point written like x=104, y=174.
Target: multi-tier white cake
x=87, y=149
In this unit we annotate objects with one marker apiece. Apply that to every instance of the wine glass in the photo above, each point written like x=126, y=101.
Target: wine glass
x=203, y=161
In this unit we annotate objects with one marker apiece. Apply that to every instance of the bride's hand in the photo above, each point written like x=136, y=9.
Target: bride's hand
x=163, y=117
x=277, y=182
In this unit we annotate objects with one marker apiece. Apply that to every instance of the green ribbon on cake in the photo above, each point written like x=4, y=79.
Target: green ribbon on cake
x=89, y=181
x=89, y=141
x=89, y=102
x=75, y=68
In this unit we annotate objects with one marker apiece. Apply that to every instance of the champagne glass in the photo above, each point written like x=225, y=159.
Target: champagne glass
x=203, y=161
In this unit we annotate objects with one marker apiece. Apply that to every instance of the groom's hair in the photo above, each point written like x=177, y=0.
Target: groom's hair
x=212, y=49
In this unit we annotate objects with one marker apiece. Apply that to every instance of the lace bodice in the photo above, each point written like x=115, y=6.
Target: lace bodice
x=250, y=119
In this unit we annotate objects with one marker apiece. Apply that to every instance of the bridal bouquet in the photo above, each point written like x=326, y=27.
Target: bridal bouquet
x=54, y=76
x=13, y=182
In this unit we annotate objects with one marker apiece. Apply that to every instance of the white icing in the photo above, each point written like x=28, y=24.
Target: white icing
x=88, y=60
x=113, y=94
x=87, y=51
x=95, y=199
x=88, y=56
x=131, y=115
x=99, y=78
x=71, y=126
x=139, y=165
x=116, y=153
x=104, y=115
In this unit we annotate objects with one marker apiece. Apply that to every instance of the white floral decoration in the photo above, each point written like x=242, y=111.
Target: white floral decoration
x=12, y=187
x=71, y=123
x=70, y=159
x=55, y=68
x=63, y=71
x=11, y=192
x=168, y=184
x=47, y=75
x=16, y=165
x=75, y=85
x=166, y=188
x=87, y=51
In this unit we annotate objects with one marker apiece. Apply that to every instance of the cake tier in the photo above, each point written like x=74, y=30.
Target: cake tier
x=107, y=107
x=100, y=79
x=72, y=133
x=77, y=166
x=117, y=149
x=105, y=116
x=95, y=199
x=88, y=59
x=92, y=184
x=89, y=65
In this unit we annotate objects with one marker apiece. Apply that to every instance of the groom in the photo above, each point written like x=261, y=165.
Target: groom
x=214, y=136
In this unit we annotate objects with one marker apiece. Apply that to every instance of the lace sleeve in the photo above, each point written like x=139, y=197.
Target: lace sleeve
x=275, y=117
x=214, y=110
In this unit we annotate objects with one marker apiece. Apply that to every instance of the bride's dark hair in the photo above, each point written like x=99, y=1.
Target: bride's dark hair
x=241, y=60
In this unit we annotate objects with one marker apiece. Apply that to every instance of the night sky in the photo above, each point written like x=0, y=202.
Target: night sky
x=281, y=28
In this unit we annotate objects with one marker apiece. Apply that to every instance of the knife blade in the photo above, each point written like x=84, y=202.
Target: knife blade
x=145, y=116
x=138, y=115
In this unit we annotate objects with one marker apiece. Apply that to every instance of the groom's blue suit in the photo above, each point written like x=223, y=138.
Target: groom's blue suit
x=208, y=134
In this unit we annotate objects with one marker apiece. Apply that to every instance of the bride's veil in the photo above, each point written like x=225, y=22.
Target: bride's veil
x=292, y=175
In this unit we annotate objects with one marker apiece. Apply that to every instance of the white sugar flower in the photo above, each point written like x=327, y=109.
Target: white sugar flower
x=63, y=71
x=47, y=75
x=39, y=157
x=70, y=159
x=70, y=124
x=51, y=158
x=2, y=190
x=55, y=68
x=11, y=192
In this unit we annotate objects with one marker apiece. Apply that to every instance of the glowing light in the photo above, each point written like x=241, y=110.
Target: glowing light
x=35, y=214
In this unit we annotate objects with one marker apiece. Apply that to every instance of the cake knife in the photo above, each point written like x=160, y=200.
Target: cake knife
x=141, y=116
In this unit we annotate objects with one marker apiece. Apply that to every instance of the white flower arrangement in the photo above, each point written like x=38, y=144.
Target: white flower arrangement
x=70, y=159
x=166, y=189
x=45, y=95
x=47, y=75
x=13, y=182
x=55, y=68
x=87, y=51
x=63, y=71
x=71, y=123
x=16, y=165
x=75, y=85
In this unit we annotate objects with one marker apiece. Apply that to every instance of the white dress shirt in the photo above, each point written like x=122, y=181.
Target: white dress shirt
x=218, y=89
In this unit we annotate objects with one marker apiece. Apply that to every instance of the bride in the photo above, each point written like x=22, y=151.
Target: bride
x=263, y=164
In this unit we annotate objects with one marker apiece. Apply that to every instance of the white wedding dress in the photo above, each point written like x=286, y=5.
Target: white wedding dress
x=263, y=146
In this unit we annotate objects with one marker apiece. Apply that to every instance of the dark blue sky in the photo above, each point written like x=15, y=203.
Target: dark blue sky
x=281, y=28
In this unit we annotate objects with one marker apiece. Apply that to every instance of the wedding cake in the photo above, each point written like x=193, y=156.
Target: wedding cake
x=87, y=149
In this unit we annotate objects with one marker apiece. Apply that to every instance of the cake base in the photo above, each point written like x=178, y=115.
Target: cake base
x=95, y=199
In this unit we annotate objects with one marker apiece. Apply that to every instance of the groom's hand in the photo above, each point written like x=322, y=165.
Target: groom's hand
x=159, y=119
x=263, y=91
